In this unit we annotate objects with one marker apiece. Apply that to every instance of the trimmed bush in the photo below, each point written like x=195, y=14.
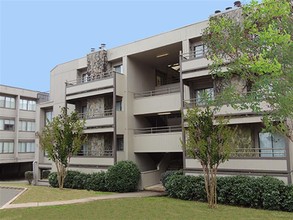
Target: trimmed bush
x=169, y=173
x=287, y=203
x=45, y=174
x=96, y=182
x=122, y=177
x=29, y=176
x=186, y=187
x=53, y=181
x=262, y=192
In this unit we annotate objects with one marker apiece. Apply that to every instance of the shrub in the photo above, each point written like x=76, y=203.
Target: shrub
x=96, y=182
x=165, y=176
x=287, y=203
x=186, y=187
x=29, y=176
x=53, y=181
x=45, y=174
x=122, y=177
x=272, y=192
x=238, y=190
x=79, y=180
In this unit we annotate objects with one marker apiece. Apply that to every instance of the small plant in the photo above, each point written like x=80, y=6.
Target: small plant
x=29, y=176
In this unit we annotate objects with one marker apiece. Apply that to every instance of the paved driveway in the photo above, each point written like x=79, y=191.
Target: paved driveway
x=6, y=194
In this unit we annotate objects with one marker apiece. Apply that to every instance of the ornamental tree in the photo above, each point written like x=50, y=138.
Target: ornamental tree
x=208, y=140
x=255, y=45
x=61, y=139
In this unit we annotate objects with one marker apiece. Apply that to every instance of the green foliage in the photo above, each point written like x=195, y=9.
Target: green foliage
x=123, y=177
x=61, y=139
x=29, y=176
x=186, y=187
x=262, y=192
x=166, y=175
x=53, y=180
x=96, y=182
x=206, y=141
x=255, y=43
x=45, y=174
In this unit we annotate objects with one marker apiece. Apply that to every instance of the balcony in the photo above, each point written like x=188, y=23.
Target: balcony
x=155, y=101
x=194, y=64
x=90, y=85
x=157, y=139
x=253, y=160
x=224, y=108
x=102, y=121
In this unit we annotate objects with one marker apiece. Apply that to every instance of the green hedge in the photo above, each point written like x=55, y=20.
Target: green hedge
x=29, y=176
x=263, y=192
x=122, y=177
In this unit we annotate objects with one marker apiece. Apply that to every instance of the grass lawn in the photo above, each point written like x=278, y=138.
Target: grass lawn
x=142, y=208
x=48, y=194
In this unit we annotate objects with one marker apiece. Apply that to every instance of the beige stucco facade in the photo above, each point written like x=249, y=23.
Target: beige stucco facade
x=17, y=130
x=133, y=108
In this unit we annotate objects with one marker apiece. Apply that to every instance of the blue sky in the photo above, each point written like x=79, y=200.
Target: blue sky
x=35, y=35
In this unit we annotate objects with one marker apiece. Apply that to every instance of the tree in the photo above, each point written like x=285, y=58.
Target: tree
x=61, y=139
x=209, y=140
x=255, y=44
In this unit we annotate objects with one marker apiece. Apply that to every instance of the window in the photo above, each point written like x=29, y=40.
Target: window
x=204, y=95
x=26, y=126
x=7, y=102
x=118, y=68
x=29, y=105
x=271, y=145
x=26, y=147
x=6, y=147
x=7, y=124
x=120, y=143
x=48, y=116
x=199, y=51
x=118, y=105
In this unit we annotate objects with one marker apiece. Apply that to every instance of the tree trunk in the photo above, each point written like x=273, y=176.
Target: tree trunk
x=61, y=173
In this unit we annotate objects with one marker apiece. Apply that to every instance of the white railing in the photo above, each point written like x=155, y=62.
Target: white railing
x=96, y=114
x=155, y=130
x=156, y=92
x=90, y=78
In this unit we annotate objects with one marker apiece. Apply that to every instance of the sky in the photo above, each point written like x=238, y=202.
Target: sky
x=35, y=36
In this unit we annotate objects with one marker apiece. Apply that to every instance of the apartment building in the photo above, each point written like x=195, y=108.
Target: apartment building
x=132, y=97
x=17, y=130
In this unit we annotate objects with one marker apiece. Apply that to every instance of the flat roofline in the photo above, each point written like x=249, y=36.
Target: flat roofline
x=14, y=87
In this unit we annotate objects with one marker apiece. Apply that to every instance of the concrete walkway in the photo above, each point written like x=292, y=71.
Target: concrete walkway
x=90, y=199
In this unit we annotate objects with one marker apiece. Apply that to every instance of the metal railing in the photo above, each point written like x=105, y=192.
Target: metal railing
x=218, y=100
x=96, y=153
x=96, y=114
x=198, y=54
x=157, y=92
x=155, y=130
x=258, y=153
x=90, y=78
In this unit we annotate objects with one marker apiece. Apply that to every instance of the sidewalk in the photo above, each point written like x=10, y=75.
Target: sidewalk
x=90, y=199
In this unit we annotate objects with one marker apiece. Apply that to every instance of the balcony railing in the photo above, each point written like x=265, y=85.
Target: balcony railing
x=218, y=100
x=90, y=78
x=198, y=54
x=96, y=153
x=157, y=92
x=155, y=130
x=96, y=114
x=259, y=153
